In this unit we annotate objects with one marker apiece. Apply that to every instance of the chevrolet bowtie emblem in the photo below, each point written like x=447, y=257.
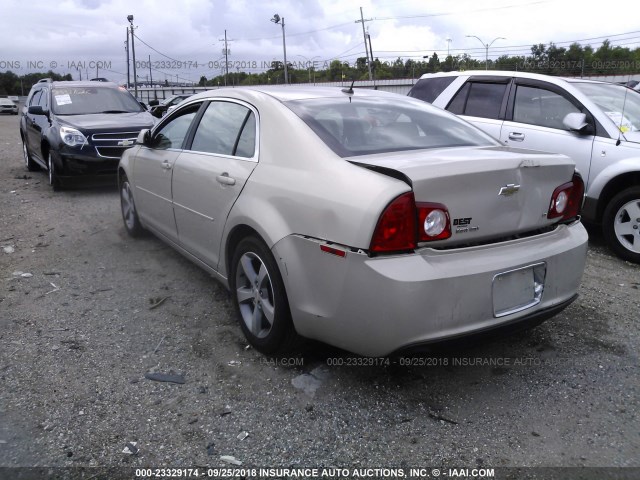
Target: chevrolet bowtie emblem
x=509, y=189
x=125, y=143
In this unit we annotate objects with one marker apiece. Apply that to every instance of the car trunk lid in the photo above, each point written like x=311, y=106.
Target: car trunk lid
x=490, y=192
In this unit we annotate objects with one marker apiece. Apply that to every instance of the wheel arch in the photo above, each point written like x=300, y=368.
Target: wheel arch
x=613, y=187
x=235, y=236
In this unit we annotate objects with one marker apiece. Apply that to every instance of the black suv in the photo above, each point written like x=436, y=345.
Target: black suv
x=78, y=130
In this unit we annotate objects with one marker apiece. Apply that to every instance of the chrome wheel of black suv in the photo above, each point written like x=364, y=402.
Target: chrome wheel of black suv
x=53, y=177
x=28, y=161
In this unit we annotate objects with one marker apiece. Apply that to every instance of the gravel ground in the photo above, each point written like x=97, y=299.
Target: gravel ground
x=85, y=321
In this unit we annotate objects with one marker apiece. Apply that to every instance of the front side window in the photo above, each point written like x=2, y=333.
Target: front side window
x=368, y=125
x=478, y=99
x=172, y=133
x=35, y=97
x=43, y=101
x=538, y=106
x=226, y=128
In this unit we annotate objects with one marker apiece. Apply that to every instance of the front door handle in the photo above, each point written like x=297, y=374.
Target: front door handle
x=225, y=179
x=166, y=165
x=516, y=136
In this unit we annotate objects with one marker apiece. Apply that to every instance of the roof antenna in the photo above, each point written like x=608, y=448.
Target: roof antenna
x=624, y=103
x=350, y=89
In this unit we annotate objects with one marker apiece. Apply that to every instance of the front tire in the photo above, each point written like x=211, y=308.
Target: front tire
x=129, y=213
x=621, y=224
x=54, y=181
x=260, y=299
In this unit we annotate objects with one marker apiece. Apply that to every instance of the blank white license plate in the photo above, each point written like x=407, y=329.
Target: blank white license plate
x=517, y=290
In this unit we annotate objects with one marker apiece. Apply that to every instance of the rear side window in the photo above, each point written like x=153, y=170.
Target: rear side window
x=428, y=89
x=478, y=100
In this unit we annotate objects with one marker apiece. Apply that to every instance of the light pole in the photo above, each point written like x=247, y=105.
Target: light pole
x=309, y=62
x=126, y=47
x=486, y=46
x=133, y=54
x=277, y=19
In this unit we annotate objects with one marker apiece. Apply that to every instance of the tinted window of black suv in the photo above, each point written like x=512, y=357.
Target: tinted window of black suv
x=91, y=100
x=79, y=130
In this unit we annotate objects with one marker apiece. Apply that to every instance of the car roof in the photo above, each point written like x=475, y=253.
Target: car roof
x=87, y=83
x=293, y=92
x=507, y=73
x=83, y=83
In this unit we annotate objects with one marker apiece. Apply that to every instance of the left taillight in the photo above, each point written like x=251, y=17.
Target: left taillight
x=396, y=228
x=406, y=222
x=434, y=222
x=566, y=201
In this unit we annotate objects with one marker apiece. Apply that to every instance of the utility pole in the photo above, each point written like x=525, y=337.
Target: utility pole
x=226, y=56
x=364, y=36
x=370, y=49
x=127, y=49
x=150, y=76
x=448, y=43
x=133, y=54
x=277, y=19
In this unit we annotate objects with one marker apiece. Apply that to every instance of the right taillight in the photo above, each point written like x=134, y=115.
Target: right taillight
x=566, y=200
x=404, y=223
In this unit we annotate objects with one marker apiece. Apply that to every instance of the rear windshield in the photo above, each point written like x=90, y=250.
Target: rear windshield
x=88, y=100
x=367, y=125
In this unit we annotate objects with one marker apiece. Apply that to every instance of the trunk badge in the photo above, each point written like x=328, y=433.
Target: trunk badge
x=509, y=189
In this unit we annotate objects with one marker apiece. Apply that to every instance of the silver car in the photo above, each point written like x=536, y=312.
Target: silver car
x=597, y=124
x=7, y=106
x=367, y=220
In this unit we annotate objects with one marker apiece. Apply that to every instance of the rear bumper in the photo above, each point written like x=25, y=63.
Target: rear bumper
x=376, y=306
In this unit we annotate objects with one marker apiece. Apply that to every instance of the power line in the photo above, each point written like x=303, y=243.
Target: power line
x=158, y=52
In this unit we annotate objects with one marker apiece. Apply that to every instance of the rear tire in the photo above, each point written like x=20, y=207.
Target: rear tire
x=128, y=207
x=260, y=299
x=621, y=224
x=28, y=161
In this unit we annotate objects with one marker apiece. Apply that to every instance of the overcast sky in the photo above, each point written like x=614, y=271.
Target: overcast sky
x=63, y=35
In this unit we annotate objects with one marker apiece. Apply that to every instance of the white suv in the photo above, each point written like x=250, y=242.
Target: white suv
x=597, y=124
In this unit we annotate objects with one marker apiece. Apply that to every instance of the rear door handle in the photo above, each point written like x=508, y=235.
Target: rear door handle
x=225, y=179
x=516, y=136
x=166, y=165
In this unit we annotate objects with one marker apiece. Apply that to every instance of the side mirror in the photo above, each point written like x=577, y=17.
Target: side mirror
x=154, y=103
x=37, y=110
x=144, y=136
x=575, y=122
